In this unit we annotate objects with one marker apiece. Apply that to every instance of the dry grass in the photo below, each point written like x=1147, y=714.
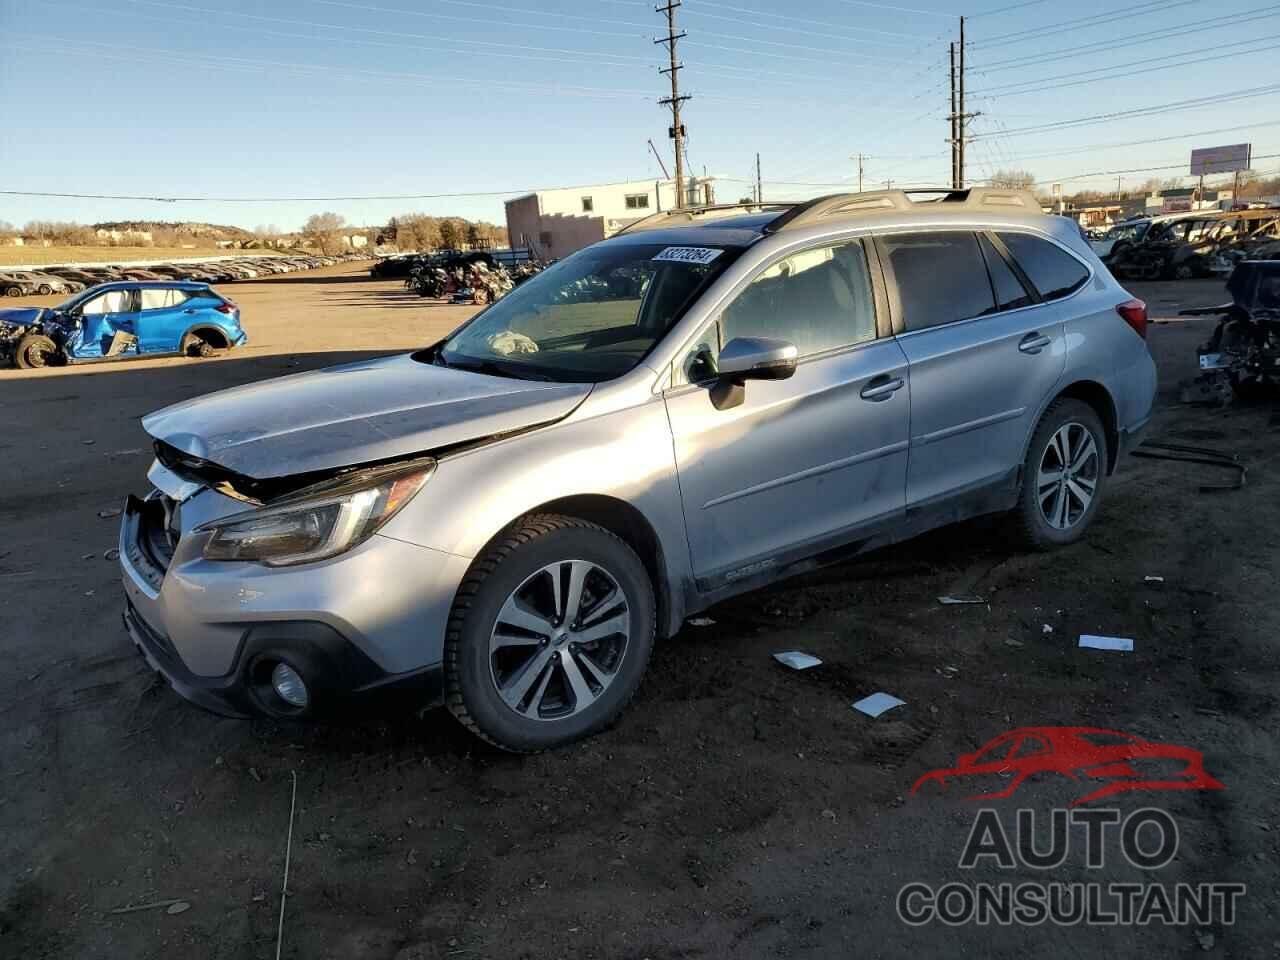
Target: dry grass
x=10, y=256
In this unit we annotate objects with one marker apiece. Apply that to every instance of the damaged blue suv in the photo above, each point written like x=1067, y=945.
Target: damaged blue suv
x=119, y=321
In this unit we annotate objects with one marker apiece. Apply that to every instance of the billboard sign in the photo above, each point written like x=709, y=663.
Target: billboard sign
x=1176, y=205
x=1228, y=159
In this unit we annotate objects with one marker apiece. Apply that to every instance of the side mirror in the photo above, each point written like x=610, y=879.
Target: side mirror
x=757, y=358
x=750, y=358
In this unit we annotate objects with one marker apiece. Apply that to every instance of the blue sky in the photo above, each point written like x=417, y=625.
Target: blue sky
x=328, y=98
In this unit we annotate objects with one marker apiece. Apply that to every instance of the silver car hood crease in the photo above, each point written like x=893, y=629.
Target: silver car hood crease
x=361, y=412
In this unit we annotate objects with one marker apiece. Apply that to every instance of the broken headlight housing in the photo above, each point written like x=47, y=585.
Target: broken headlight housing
x=319, y=521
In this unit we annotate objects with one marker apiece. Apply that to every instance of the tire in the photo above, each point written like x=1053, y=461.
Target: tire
x=1042, y=522
x=194, y=345
x=13, y=291
x=35, y=351
x=44, y=290
x=1184, y=271
x=540, y=710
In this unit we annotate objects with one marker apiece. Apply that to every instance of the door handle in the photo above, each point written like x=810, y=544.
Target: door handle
x=189, y=310
x=882, y=388
x=1034, y=343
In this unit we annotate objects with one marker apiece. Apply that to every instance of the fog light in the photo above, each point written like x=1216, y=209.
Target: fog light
x=288, y=685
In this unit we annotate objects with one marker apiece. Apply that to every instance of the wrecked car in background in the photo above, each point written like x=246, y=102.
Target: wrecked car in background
x=1200, y=245
x=1245, y=346
x=118, y=321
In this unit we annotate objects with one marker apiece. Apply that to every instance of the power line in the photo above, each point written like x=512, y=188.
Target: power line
x=403, y=196
x=1094, y=20
x=222, y=61
x=1010, y=90
x=1229, y=97
x=1133, y=39
x=1094, y=147
x=814, y=33
x=1012, y=6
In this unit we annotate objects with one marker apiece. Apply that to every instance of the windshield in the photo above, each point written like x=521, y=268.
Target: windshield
x=591, y=317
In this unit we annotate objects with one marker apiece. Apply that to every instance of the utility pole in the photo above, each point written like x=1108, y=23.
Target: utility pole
x=953, y=139
x=759, y=182
x=963, y=119
x=860, y=157
x=888, y=184
x=676, y=99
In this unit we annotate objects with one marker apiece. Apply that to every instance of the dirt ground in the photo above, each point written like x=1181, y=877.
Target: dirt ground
x=736, y=810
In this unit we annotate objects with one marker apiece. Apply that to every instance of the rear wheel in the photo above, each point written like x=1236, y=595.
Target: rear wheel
x=13, y=291
x=34, y=352
x=195, y=345
x=549, y=635
x=1062, y=477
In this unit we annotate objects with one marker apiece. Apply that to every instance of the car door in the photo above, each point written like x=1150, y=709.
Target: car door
x=805, y=463
x=163, y=319
x=983, y=352
x=104, y=316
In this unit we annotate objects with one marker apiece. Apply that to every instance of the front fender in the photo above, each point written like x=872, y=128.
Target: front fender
x=625, y=454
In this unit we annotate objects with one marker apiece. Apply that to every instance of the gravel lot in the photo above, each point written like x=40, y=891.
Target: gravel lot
x=736, y=810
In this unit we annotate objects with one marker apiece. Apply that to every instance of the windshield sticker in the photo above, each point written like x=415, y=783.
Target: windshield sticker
x=699, y=255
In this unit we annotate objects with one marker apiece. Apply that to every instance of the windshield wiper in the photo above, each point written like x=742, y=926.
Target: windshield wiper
x=494, y=368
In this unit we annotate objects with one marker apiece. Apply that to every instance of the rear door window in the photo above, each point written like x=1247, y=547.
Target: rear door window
x=1054, y=272
x=941, y=277
x=162, y=299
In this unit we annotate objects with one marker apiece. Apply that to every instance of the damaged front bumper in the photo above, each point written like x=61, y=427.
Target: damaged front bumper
x=363, y=629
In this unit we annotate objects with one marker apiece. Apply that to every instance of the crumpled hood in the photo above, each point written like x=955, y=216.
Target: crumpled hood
x=355, y=413
x=21, y=316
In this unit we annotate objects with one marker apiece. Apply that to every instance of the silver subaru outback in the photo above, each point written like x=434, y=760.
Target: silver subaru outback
x=714, y=399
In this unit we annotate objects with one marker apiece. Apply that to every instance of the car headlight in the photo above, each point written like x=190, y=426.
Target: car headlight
x=318, y=522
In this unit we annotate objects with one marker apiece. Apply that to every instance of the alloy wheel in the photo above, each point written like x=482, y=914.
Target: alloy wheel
x=1068, y=476
x=559, y=640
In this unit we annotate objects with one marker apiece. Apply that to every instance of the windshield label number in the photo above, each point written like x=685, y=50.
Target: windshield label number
x=698, y=255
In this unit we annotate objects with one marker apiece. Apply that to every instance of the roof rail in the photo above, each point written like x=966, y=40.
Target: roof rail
x=848, y=204
x=669, y=218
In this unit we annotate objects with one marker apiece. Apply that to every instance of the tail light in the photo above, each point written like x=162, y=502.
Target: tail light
x=226, y=307
x=1134, y=313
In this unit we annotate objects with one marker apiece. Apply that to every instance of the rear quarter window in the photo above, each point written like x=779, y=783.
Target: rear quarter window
x=1051, y=270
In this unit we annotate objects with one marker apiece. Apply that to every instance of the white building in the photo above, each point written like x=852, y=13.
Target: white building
x=555, y=223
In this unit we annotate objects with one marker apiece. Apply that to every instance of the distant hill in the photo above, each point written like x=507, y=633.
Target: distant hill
x=196, y=231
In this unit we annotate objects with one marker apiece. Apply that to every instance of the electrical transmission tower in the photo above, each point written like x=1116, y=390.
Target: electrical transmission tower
x=676, y=99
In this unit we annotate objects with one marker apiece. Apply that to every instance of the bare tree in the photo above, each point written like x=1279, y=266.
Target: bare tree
x=323, y=230
x=1013, y=179
x=451, y=233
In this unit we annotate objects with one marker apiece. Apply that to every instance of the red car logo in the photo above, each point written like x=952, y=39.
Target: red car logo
x=1124, y=762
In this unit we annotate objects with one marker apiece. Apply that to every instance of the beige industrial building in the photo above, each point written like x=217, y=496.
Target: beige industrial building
x=555, y=223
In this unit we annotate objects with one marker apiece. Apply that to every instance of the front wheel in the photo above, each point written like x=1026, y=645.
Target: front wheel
x=1062, y=477
x=549, y=635
x=44, y=290
x=35, y=351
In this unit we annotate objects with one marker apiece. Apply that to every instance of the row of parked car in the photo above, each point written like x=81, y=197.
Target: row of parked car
x=51, y=280
x=1181, y=246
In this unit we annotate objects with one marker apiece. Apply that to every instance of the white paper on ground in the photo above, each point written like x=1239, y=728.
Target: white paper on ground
x=702, y=622
x=877, y=704
x=1153, y=579
x=1123, y=644
x=797, y=660
x=951, y=601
